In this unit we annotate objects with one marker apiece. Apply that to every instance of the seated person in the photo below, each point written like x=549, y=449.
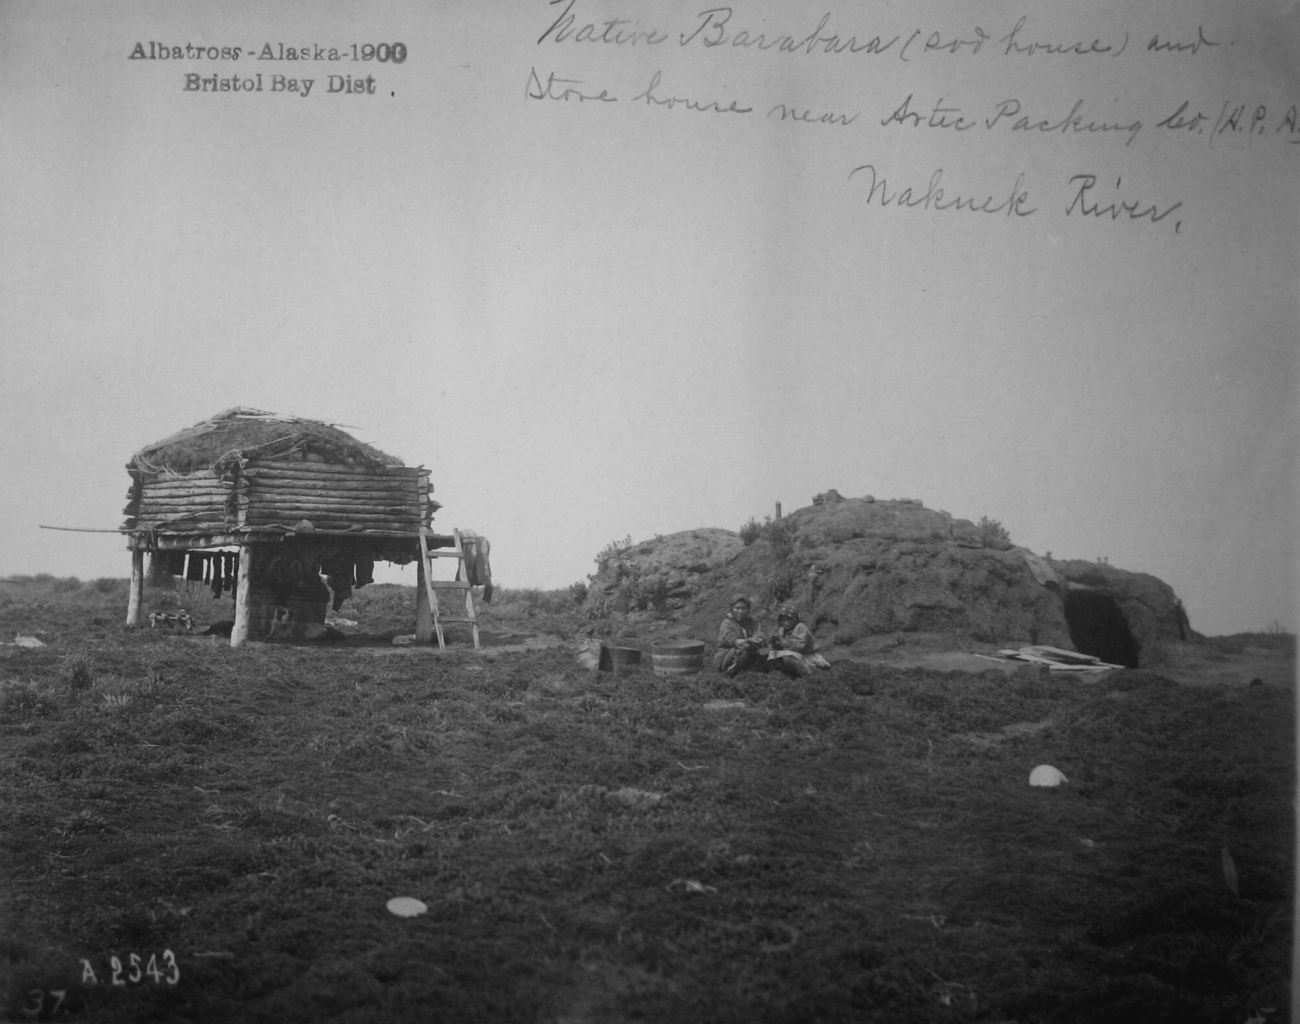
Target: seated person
x=793, y=649
x=739, y=648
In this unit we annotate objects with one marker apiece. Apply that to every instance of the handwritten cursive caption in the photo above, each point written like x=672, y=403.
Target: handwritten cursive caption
x=720, y=28
x=1121, y=120
x=1087, y=199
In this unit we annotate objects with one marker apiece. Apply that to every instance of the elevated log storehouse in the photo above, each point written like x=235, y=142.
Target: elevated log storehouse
x=289, y=500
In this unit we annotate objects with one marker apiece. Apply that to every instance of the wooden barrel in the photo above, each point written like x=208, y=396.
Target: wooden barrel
x=678, y=657
x=618, y=657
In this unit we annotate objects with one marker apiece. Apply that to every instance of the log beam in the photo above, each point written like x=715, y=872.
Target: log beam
x=325, y=472
x=204, y=501
x=182, y=487
x=271, y=483
x=291, y=517
x=401, y=503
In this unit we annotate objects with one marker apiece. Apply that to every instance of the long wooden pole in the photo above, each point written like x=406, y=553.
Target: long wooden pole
x=136, y=597
x=80, y=529
x=239, y=632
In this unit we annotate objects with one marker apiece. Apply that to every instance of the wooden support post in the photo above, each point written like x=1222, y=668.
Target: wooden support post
x=239, y=633
x=136, y=598
x=423, y=610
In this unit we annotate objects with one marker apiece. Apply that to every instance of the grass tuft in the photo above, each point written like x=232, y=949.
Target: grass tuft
x=78, y=671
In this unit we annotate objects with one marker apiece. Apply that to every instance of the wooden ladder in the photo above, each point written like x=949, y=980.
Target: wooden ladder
x=432, y=586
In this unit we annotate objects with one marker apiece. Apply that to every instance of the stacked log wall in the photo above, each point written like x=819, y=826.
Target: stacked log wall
x=191, y=503
x=281, y=494
x=333, y=497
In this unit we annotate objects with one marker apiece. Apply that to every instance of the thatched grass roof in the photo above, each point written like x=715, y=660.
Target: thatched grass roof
x=242, y=435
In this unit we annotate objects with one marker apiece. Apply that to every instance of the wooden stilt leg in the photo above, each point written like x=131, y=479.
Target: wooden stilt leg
x=239, y=633
x=136, y=598
x=423, y=610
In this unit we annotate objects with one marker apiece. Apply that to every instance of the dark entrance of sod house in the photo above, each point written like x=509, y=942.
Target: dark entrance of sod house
x=1098, y=627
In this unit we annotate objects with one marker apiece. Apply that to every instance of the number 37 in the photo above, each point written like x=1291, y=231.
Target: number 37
x=37, y=1003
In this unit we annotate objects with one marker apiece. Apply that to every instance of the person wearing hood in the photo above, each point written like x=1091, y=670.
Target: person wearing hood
x=740, y=648
x=793, y=648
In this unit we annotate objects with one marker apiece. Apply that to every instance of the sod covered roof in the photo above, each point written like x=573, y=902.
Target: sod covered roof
x=240, y=435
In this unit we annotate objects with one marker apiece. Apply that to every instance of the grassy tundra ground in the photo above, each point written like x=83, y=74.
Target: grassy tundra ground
x=618, y=846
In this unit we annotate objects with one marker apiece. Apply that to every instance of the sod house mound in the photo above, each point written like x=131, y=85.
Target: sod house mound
x=864, y=571
x=663, y=574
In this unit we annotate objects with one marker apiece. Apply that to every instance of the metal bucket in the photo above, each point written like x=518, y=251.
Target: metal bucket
x=678, y=657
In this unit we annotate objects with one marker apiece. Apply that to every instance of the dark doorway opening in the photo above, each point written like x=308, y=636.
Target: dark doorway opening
x=1098, y=627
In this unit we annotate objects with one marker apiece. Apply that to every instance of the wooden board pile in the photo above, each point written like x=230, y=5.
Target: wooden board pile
x=1056, y=659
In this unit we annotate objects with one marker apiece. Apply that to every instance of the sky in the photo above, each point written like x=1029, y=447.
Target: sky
x=729, y=282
